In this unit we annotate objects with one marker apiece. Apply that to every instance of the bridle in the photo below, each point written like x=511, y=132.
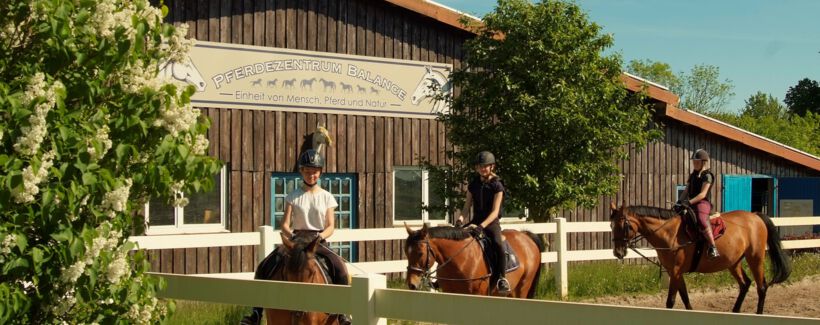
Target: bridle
x=427, y=274
x=631, y=243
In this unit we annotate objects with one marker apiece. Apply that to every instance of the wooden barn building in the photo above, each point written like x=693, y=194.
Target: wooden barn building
x=270, y=72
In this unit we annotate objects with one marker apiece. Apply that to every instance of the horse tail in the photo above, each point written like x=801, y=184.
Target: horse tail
x=541, y=248
x=781, y=265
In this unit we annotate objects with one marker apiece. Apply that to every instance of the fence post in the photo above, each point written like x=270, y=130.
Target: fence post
x=265, y=242
x=363, y=295
x=561, y=271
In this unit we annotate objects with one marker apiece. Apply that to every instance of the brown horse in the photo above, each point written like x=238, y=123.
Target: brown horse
x=299, y=264
x=461, y=267
x=746, y=237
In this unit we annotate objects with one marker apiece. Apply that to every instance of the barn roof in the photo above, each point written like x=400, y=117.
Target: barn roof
x=449, y=16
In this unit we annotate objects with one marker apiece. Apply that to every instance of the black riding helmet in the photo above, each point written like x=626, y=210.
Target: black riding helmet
x=311, y=158
x=700, y=154
x=484, y=158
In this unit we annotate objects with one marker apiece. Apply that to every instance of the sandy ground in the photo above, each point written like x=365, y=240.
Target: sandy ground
x=795, y=299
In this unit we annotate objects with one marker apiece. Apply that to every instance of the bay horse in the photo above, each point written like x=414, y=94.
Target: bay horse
x=461, y=266
x=746, y=236
x=299, y=264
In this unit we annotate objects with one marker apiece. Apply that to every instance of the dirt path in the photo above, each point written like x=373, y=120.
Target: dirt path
x=795, y=299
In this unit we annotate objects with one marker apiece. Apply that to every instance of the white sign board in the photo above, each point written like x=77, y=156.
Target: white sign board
x=255, y=77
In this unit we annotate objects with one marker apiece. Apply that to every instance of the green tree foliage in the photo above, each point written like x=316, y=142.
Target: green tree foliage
x=88, y=133
x=765, y=116
x=702, y=91
x=761, y=105
x=538, y=92
x=655, y=71
x=804, y=97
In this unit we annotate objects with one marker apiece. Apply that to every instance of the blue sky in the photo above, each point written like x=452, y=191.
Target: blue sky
x=758, y=45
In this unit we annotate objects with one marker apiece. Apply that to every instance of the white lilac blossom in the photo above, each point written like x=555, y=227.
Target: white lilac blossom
x=117, y=268
x=116, y=200
x=32, y=180
x=102, y=138
x=178, y=45
x=32, y=135
x=175, y=118
x=73, y=272
x=5, y=247
x=143, y=314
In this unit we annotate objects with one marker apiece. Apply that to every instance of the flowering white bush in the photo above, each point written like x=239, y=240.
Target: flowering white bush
x=88, y=132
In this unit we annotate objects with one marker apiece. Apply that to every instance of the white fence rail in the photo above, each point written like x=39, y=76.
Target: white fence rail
x=266, y=237
x=368, y=302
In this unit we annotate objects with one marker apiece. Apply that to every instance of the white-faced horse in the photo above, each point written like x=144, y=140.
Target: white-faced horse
x=431, y=82
x=184, y=71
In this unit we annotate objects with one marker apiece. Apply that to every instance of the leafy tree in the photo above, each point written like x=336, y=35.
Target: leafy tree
x=88, y=133
x=761, y=105
x=655, y=71
x=702, y=91
x=804, y=97
x=538, y=92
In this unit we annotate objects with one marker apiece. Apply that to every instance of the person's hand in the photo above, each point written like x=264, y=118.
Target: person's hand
x=683, y=203
x=459, y=221
x=475, y=230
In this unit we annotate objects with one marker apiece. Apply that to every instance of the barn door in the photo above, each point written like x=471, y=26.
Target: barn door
x=737, y=192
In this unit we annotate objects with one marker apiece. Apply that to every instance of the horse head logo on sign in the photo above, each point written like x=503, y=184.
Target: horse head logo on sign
x=431, y=83
x=184, y=71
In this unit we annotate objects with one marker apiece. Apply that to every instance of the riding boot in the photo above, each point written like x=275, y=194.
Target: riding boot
x=254, y=318
x=502, y=285
x=713, y=252
x=344, y=319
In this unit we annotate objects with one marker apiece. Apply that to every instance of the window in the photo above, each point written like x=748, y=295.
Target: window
x=205, y=212
x=343, y=188
x=411, y=191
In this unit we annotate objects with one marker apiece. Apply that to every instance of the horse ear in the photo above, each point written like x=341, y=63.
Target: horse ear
x=409, y=231
x=286, y=241
x=313, y=245
x=612, y=205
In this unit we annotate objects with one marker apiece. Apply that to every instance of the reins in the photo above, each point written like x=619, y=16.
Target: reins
x=632, y=243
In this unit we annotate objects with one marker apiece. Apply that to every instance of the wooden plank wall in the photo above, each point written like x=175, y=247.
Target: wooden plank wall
x=651, y=175
x=256, y=143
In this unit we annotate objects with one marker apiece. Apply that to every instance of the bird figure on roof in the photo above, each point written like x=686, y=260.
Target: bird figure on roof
x=321, y=138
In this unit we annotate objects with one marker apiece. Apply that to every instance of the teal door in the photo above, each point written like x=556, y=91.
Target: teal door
x=737, y=192
x=343, y=188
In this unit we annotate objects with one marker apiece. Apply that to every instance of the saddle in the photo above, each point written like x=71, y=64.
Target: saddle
x=691, y=226
x=268, y=267
x=489, y=255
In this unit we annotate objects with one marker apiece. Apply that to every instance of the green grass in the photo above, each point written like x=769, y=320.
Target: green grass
x=586, y=280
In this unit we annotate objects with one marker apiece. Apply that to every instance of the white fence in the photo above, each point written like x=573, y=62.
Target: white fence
x=266, y=237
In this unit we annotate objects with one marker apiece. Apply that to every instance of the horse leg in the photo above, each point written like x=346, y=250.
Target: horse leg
x=684, y=294
x=744, y=282
x=758, y=272
x=674, y=282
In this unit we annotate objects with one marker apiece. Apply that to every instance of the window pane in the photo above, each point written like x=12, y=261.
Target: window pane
x=344, y=204
x=346, y=186
x=205, y=208
x=334, y=187
x=437, y=201
x=344, y=221
x=279, y=186
x=159, y=213
x=280, y=205
x=407, y=185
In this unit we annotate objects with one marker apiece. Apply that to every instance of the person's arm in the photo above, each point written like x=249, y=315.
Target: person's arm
x=497, y=198
x=330, y=223
x=465, y=211
x=286, y=230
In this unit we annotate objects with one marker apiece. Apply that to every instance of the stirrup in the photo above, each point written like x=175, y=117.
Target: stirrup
x=503, y=286
x=713, y=252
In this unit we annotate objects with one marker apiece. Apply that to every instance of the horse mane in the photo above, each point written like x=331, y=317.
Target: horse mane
x=298, y=258
x=443, y=232
x=643, y=210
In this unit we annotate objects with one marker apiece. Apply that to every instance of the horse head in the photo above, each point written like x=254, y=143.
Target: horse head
x=184, y=71
x=419, y=257
x=623, y=230
x=431, y=83
x=300, y=252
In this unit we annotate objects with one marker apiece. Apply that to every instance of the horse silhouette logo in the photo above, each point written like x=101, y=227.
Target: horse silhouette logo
x=328, y=85
x=288, y=84
x=361, y=90
x=307, y=83
x=184, y=71
x=272, y=83
x=257, y=82
x=346, y=88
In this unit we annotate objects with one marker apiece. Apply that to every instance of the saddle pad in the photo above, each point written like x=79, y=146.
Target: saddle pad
x=489, y=256
x=718, y=228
